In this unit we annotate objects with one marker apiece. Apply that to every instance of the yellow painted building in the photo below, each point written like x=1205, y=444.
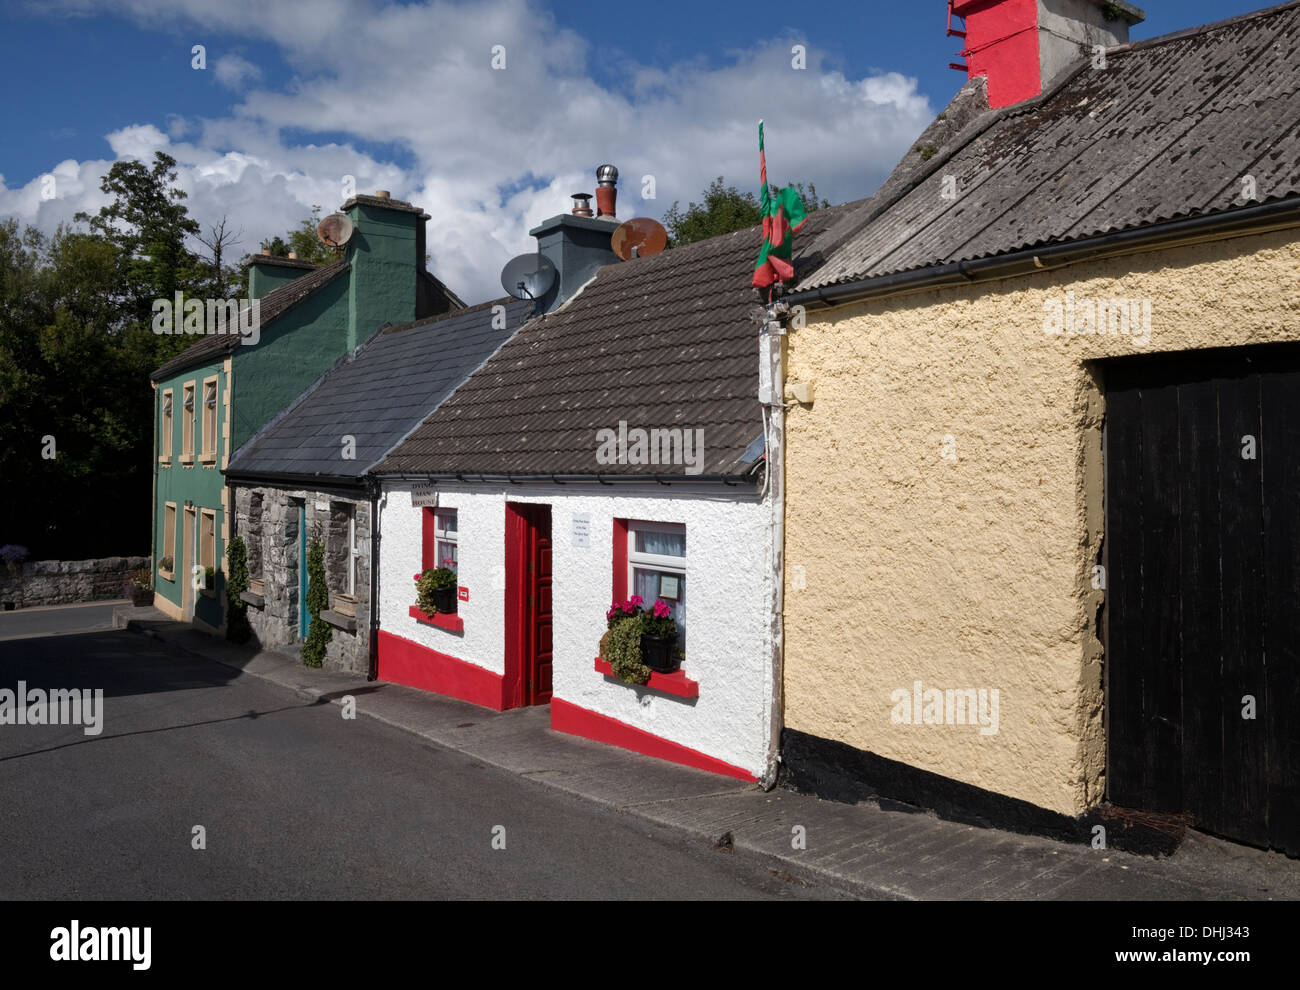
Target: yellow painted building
x=947, y=509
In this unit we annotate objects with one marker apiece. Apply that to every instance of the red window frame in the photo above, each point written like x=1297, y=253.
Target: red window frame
x=620, y=560
x=428, y=540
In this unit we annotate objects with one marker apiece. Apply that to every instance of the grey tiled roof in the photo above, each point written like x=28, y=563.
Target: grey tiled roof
x=659, y=342
x=1166, y=130
x=213, y=346
x=376, y=395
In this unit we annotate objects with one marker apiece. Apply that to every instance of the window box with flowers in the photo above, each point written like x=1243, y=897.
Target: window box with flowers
x=638, y=643
x=435, y=597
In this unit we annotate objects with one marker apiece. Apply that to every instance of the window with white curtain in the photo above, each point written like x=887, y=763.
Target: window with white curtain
x=656, y=568
x=445, y=533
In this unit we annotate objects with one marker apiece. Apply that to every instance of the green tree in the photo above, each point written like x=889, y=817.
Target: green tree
x=303, y=241
x=148, y=225
x=724, y=209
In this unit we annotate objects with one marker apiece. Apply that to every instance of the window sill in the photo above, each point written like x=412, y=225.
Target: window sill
x=165, y=461
x=208, y=592
x=338, y=620
x=208, y=460
x=189, y=461
x=251, y=598
x=452, y=623
x=675, y=683
x=167, y=575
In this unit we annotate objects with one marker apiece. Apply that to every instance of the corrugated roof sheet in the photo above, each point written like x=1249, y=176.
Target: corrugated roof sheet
x=378, y=394
x=1166, y=130
x=661, y=342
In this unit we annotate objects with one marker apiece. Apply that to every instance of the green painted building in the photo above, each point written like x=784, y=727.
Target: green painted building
x=299, y=321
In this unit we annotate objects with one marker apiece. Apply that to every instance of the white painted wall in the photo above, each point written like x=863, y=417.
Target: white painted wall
x=728, y=647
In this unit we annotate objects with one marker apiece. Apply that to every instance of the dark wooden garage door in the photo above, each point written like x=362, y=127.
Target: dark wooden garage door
x=1202, y=556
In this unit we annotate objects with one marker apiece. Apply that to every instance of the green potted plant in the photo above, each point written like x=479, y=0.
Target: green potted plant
x=140, y=588
x=165, y=566
x=659, y=639
x=435, y=590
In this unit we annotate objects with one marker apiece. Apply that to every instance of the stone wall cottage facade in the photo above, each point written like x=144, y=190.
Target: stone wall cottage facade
x=1065, y=343
x=305, y=475
x=222, y=389
x=530, y=469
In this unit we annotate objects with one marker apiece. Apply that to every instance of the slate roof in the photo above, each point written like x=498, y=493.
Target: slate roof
x=1165, y=131
x=377, y=395
x=276, y=302
x=659, y=342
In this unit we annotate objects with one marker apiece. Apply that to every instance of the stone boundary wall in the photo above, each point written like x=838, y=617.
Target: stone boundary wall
x=66, y=582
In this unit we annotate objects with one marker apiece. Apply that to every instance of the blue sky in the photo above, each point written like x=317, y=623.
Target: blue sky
x=296, y=95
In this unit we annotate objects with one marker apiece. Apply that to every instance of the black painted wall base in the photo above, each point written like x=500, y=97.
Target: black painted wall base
x=836, y=771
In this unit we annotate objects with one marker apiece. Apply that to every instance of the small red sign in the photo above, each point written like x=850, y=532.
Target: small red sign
x=462, y=594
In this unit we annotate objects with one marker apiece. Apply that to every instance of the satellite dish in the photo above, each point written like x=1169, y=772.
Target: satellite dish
x=639, y=238
x=334, y=230
x=529, y=276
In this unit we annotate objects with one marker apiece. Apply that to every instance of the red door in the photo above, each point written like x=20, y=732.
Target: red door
x=528, y=598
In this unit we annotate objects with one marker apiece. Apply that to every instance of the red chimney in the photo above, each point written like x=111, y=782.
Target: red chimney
x=607, y=192
x=1022, y=45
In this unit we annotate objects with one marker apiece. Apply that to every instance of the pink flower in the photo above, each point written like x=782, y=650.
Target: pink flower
x=418, y=576
x=635, y=600
x=662, y=611
x=448, y=563
x=626, y=607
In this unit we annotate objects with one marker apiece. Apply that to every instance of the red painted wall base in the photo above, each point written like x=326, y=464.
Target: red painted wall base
x=404, y=662
x=576, y=721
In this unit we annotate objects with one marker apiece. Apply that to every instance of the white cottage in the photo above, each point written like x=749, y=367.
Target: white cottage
x=615, y=446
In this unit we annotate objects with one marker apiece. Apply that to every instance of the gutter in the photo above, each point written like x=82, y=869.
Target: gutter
x=337, y=484
x=372, y=636
x=731, y=480
x=1261, y=218
x=153, y=492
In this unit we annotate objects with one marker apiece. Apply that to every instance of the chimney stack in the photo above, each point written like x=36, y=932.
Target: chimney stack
x=577, y=243
x=1021, y=46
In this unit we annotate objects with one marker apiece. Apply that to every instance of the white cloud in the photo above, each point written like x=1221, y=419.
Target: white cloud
x=419, y=77
x=233, y=71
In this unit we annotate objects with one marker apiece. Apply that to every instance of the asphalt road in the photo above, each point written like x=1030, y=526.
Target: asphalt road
x=24, y=622
x=298, y=802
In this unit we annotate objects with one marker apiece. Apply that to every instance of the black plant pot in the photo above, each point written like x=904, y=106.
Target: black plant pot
x=444, y=600
x=657, y=653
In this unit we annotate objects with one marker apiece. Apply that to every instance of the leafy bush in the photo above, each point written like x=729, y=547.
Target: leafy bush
x=165, y=563
x=237, y=628
x=623, y=651
x=318, y=633
x=431, y=580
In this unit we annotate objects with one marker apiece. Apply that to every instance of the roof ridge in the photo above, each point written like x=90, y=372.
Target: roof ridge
x=452, y=314
x=1201, y=29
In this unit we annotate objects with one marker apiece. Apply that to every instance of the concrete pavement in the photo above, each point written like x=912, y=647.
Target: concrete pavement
x=878, y=849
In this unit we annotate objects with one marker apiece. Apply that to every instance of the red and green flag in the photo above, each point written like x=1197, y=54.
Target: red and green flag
x=783, y=215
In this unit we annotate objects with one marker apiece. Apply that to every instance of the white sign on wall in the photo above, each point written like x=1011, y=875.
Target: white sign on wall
x=423, y=496
x=582, y=531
